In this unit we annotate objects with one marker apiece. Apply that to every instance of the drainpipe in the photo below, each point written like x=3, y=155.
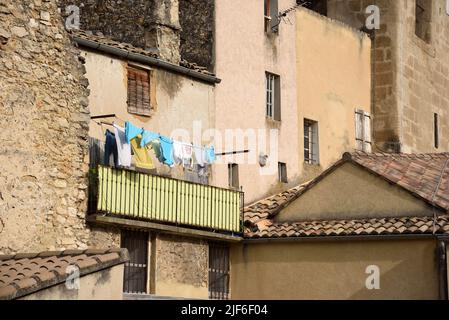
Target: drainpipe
x=442, y=270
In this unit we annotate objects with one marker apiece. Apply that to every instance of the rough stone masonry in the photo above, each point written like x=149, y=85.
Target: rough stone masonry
x=43, y=144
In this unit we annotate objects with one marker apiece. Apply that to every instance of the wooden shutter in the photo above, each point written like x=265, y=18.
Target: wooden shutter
x=367, y=132
x=139, y=91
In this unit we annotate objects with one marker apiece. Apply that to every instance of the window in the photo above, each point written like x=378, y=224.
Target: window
x=311, y=142
x=271, y=15
x=273, y=88
x=233, y=174
x=135, y=273
x=282, y=171
x=436, y=129
x=218, y=271
x=363, y=131
x=423, y=15
x=139, y=91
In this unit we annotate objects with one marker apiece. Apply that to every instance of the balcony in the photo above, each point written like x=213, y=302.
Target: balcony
x=145, y=197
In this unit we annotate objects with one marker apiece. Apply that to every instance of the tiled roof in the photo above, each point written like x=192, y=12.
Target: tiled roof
x=270, y=206
x=86, y=35
x=426, y=176
x=23, y=274
x=368, y=227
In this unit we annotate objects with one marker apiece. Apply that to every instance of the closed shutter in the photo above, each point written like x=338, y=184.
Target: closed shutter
x=139, y=91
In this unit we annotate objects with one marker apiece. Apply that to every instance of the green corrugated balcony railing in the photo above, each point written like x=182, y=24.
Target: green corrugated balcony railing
x=143, y=196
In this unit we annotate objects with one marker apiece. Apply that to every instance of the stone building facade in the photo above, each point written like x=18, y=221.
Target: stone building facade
x=411, y=71
x=44, y=118
x=175, y=29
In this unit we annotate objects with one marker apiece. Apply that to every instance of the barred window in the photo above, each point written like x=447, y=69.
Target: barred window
x=139, y=91
x=311, y=155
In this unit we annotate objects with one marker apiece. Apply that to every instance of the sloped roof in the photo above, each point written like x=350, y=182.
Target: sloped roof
x=426, y=176
x=23, y=274
x=102, y=40
x=340, y=228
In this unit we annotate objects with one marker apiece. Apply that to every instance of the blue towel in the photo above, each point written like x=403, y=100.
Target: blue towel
x=148, y=137
x=131, y=131
x=167, y=150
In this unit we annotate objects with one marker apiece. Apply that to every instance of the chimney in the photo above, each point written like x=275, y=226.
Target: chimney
x=163, y=30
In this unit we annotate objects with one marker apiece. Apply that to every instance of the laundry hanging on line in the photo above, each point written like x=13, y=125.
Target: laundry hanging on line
x=167, y=151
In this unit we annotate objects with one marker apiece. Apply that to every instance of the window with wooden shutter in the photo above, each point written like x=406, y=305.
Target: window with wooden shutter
x=363, y=131
x=139, y=91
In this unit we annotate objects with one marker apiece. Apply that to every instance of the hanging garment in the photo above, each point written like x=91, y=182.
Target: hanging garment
x=177, y=152
x=167, y=150
x=148, y=137
x=200, y=155
x=110, y=148
x=123, y=147
x=131, y=131
x=141, y=157
x=187, y=155
x=156, y=146
x=210, y=155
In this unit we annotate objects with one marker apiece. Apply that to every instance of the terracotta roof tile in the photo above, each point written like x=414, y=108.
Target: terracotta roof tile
x=384, y=226
x=100, y=39
x=424, y=175
x=23, y=274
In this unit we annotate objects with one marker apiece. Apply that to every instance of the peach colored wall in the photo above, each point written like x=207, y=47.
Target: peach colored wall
x=334, y=79
x=243, y=53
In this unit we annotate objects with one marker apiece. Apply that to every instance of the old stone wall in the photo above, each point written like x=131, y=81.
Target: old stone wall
x=410, y=77
x=44, y=118
x=197, y=35
x=181, y=268
x=148, y=24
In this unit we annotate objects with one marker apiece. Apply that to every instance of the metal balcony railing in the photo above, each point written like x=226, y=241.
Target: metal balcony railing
x=142, y=196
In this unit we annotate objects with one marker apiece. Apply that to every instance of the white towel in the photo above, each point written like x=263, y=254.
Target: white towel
x=123, y=147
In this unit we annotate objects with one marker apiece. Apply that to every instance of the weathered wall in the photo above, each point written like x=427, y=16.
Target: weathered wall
x=44, y=118
x=197, y=36
x=334, y=270
x=181, y=268
x=411, y=76
x=146, y=24
x=179, y=103
x=353, y=193
x=243, y=53
x=102, y=285
x=384, y=55
x=334, y=79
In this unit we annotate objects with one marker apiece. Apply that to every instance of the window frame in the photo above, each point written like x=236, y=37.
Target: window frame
x=423, y=21
x=273, y=96
x=233, y=176
x=282, y=172
x=436, y=130
x=144, y=110
x=311, y=142
x=363, y=131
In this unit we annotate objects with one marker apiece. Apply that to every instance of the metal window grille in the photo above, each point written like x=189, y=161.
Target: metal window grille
x=310, y=141
x=139, y=91
x=136, y=269
x=219, y=271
